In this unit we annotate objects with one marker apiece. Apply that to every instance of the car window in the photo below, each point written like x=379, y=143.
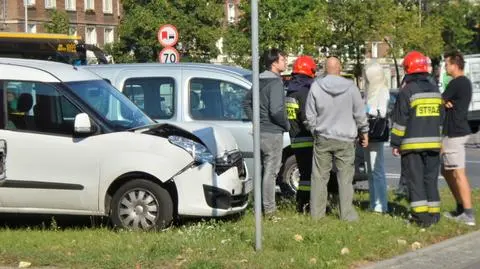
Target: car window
x=109, y=104
x=155, y=96
x=38, y=107
x=212, y=99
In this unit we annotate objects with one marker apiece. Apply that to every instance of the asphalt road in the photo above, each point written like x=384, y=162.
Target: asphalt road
x=392, y=168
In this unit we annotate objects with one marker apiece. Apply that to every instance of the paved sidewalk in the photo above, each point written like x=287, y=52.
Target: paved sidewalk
x=461, y=252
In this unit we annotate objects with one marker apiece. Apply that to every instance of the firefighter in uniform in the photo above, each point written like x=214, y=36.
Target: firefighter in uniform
x=301, y=139
x=416, y=136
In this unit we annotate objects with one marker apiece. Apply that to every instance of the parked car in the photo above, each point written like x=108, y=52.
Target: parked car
x=78, y=146
x=391, y=104
x=205, y=93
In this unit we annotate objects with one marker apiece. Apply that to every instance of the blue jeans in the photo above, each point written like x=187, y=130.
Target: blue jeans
x=377, y=182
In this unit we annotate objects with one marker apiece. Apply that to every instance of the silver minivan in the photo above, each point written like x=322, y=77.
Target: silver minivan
x=200, y=92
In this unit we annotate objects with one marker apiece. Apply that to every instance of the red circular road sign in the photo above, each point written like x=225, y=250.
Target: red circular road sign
x=169, y=55
x=167, y=35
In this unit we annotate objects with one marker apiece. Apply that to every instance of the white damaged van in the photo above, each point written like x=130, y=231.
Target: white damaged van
x=72, y=144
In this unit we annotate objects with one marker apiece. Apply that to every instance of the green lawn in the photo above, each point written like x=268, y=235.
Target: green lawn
x=294, y=241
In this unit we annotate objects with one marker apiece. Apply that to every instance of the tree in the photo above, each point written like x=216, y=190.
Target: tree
x=460, y=24
x=199, y=23
x=355, y=22
x=408, y=32
x=59, y=23
x=294, y=26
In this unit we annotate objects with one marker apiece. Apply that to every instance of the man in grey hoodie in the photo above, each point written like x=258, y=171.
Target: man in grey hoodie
x=335, y=111
x=273, y=122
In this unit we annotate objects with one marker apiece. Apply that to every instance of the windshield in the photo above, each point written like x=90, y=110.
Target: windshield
x=112, y=106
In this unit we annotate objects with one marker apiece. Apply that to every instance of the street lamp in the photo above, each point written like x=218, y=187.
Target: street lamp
x=394, y=59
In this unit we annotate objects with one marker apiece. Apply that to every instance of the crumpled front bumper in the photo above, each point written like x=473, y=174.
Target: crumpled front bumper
x=213, y=190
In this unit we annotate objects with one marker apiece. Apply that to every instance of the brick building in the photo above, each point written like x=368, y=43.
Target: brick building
x=96, y=21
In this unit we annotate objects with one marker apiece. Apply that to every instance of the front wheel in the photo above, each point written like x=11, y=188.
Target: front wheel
x=141, y=205
x=290, y=176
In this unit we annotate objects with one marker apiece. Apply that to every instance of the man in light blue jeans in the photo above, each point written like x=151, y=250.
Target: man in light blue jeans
x=273, y=123
x=334, y=111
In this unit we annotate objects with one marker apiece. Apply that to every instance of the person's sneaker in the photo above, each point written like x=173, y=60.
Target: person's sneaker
x=451, y=214
x=465, y=219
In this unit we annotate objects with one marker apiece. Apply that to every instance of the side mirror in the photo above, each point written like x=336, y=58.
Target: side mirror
x=82, y=124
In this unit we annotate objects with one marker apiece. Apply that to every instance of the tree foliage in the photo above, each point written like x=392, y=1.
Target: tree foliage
x=459, y=23
x=299, y=27
x=294, y=26
x=199, y=23
x=59, y=23
x=408, y=31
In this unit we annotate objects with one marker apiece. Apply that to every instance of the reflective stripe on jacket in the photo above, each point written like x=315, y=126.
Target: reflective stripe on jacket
x=417, y=116
x=297, y=92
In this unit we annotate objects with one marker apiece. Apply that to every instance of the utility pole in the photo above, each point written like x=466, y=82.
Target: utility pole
x=257, y=176
x=4, y=26
x=25, y=4
x=420, y=12
x=387, y=40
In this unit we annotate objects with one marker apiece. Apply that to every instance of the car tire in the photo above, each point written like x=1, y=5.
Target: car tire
x=141, y=205
x=290, y=176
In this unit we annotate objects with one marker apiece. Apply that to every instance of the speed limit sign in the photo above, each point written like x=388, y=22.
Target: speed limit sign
x=169, y=55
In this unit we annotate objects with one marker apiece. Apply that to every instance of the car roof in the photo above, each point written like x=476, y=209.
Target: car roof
x=63, y=72
x=201, y=66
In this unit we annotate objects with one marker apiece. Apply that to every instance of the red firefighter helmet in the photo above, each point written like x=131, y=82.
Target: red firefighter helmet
x=415, y=62
x=305, y=65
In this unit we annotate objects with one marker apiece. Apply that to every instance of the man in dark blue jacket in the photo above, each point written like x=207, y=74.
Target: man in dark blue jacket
x=301, y=139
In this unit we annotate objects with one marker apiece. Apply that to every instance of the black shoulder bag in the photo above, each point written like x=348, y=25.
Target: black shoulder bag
x=379, y=128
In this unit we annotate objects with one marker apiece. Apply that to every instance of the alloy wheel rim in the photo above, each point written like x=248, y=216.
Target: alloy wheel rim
x=294, y=179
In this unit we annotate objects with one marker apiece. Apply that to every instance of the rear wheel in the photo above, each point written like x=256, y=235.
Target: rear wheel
x=141, y=205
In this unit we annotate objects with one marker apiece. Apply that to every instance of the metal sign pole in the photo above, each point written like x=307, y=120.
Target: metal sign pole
x=256, y=128
x=25, y=4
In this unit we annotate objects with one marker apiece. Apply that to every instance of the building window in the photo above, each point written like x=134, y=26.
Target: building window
x=29, y=2
x=50, y=4
x=231, y=12
x=89, y=5
x=72, y=30
x=108, y=36
x=70, y=5
x=91, y=35
x=107, y=6
x=32, y=28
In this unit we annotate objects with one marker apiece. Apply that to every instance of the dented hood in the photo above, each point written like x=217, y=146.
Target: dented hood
x=216, y=138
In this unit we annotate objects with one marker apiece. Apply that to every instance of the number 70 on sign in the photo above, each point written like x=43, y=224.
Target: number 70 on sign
x=168, y=55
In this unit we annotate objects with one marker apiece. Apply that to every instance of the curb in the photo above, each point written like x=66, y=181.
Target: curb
x=457, y=252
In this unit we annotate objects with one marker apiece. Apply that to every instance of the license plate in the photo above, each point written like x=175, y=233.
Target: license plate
x=247, y=186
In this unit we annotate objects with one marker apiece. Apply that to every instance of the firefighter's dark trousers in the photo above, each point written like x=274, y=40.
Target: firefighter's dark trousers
x=421, y=172
x=304, y=162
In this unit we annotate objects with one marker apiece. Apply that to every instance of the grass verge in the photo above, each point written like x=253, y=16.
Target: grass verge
x=293, y=241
